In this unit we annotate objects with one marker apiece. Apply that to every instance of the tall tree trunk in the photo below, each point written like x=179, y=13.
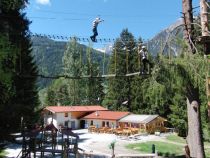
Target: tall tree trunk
x=194, y=137
x=204, y=18
x=188, y=23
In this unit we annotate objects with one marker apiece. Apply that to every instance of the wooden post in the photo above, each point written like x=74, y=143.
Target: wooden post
x=127, y=62
x=115, y=60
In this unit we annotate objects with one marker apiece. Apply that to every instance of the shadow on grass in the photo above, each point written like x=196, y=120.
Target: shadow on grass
x=169, y=155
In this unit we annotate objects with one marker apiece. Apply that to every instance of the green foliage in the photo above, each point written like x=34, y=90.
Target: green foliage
x=123, y=60
x=7, y=62
x=48, y=58
x=48, y=55
x=12, y=4
x=112, y=145
x=58, y=93
x=187, y=71
x=71, y=59
x=3, y=153
x=164, y=92
x=19, y=97
x=78, y=91
x=66, y=91
x=206, y=132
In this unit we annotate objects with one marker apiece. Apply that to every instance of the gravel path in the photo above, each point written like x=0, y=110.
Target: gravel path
x=93, y=142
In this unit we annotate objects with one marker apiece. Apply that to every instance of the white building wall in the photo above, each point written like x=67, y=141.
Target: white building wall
x=60, y=119
x=98, y=123
x=76, y=124
x=50, y=118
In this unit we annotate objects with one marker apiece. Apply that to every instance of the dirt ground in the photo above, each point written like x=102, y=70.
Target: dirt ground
x=99, y=142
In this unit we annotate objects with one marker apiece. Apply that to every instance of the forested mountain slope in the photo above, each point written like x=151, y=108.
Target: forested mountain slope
x=48, y=56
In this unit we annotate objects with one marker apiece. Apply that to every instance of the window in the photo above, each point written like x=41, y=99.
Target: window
x=107, y=124
x=49, y=113
x=91, y=123
x=73, y=125
x=103, y=123
x=66, y=123
x=65, y=114
x=158, y=124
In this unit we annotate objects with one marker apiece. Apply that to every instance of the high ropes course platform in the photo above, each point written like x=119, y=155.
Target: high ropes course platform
x=78, y=39
x=59, y=38
x=83, y=76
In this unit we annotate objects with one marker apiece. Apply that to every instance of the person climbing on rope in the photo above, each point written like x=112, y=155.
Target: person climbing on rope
x=143, y=57
x=95, y=25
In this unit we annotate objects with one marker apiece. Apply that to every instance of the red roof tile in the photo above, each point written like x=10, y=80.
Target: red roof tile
x=106, y=115
x=57, y=109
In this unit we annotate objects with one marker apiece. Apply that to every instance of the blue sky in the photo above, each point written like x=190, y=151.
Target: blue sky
x=143, y=18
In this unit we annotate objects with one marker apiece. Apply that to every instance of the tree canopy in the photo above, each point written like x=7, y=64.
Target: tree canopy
x=19, y=97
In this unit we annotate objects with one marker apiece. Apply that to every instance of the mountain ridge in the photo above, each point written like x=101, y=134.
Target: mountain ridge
x=166, y=40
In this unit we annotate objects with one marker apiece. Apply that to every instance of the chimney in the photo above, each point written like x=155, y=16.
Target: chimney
x=58, y=104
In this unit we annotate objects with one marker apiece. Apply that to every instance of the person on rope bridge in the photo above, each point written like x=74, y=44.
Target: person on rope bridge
x=95, y=25
x=143, y=57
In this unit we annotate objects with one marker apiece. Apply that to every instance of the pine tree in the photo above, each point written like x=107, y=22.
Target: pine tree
x=123, y=60
x=166, y=90
x=73, y=67
x=58, y=93
x=94, y=86
x=24, y=100
x=77, y=91
x=137, y=92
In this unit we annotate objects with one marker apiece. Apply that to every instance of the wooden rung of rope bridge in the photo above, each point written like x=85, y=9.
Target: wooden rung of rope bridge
x=84, y=76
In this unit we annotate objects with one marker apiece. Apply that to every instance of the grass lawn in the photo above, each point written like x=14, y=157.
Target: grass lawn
x=163, y=148
x=207, y=152
x=175, y=138
x=207, y=144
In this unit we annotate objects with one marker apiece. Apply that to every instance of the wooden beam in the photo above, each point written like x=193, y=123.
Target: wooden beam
x=80, y=77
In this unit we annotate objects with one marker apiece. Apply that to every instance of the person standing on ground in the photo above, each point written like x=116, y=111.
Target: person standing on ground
x=95, y=25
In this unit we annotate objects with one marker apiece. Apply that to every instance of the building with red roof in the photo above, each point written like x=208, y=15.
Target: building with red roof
x=76, y=117
x=87, y=108
x=69, y=116
x=104, y=118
